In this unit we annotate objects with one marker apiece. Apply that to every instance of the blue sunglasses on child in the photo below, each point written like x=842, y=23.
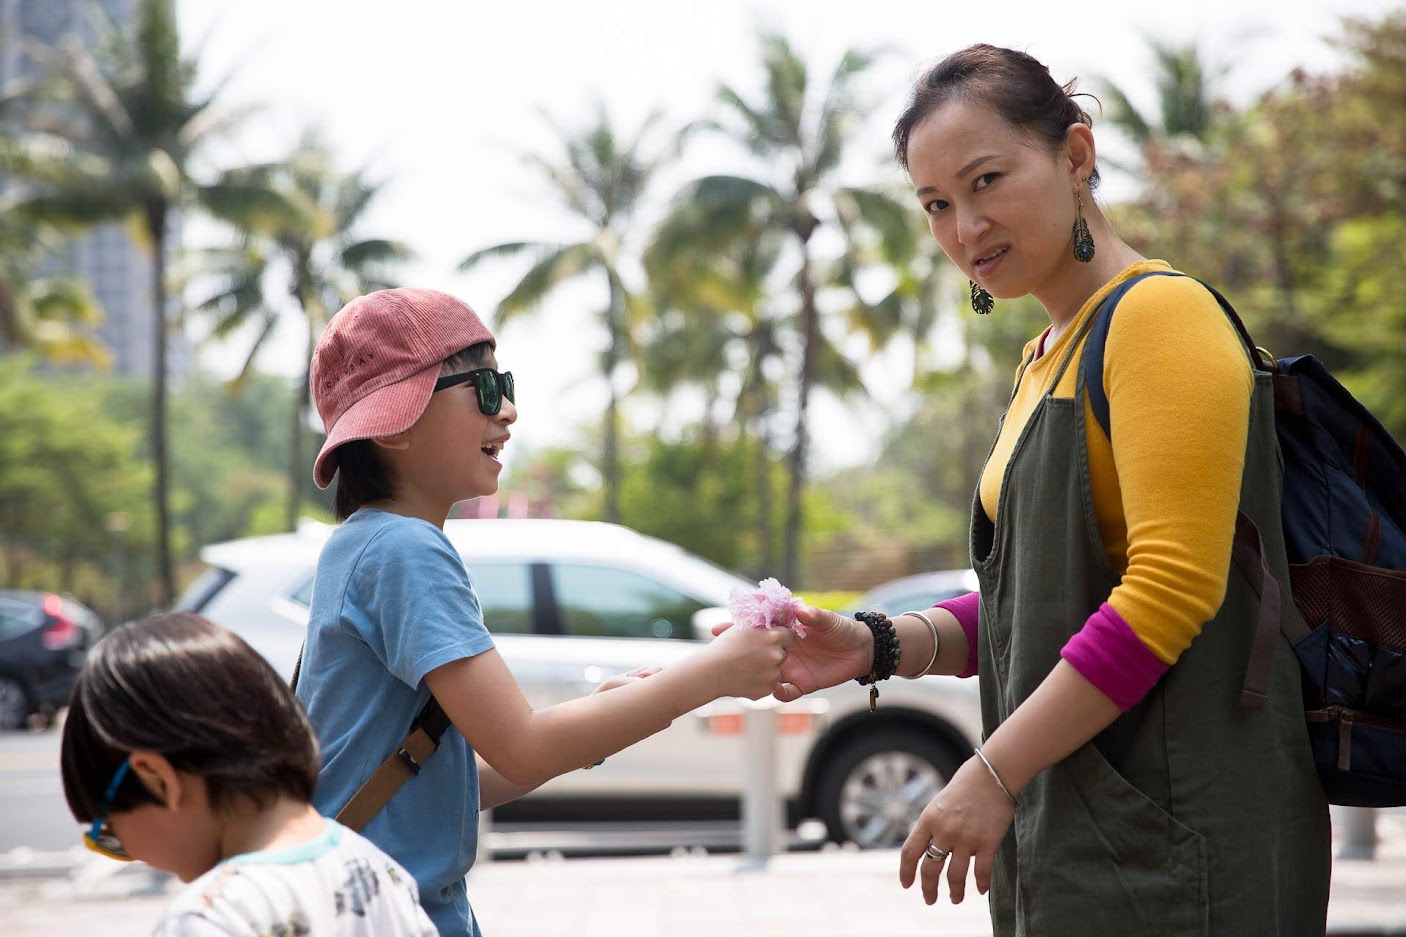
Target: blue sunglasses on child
x=99, y=837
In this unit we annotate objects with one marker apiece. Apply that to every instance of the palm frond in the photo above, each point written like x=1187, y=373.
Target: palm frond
x=544, y=276
x=1123, y=114
x=835, y=372
x=839, y=110
x=507, y=249
x=882, y=213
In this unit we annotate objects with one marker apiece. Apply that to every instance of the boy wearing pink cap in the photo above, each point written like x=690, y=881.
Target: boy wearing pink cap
x=416, y=413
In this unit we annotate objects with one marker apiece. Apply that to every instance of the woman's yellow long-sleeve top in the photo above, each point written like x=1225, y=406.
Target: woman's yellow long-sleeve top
x=1166, y=486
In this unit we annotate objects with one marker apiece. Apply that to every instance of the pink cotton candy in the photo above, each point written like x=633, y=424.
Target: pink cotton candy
x=770, y=605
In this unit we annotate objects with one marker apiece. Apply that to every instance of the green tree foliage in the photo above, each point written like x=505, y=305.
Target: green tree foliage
x=63, y=473
x=118, y=134
x=1296, y=212
x=702, y=496
x=797, y=132
x=74, y=463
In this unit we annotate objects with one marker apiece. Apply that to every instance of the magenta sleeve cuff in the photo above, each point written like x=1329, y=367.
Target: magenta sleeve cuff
x=1113, y=658
x=966, y=609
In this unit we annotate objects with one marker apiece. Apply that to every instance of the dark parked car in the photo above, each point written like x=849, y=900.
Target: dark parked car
x=43, y=640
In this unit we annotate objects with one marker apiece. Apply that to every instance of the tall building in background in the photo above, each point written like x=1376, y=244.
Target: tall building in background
x=115, y=267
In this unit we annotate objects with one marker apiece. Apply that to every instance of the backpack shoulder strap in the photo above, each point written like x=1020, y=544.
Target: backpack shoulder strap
x=400, y=766
x=1276, y=616
x=1094, y=346
x=1092, y=358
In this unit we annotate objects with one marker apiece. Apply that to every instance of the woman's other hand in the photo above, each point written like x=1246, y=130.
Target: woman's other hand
x=835, y=649
x=967, y=819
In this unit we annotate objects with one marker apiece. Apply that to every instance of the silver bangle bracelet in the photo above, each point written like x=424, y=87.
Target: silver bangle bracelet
x=936, y=644
x=1006, y=790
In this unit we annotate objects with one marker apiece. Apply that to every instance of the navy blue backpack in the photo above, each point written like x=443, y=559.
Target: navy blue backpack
x=1343, y=512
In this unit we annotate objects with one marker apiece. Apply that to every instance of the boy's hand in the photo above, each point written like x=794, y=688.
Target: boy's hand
x=748, y=660
x=835, y=649
x=631, y=676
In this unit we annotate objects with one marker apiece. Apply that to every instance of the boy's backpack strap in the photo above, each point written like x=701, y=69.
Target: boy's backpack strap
x=403, y=764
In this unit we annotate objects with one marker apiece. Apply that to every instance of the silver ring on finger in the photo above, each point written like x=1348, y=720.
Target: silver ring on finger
x=935, y=852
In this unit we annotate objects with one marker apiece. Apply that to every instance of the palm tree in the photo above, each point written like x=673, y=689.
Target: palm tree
x=130, y=129
x=324, y=254
x=602, y=181
x=1186, y=93
x=802, y=148
x=710, y=317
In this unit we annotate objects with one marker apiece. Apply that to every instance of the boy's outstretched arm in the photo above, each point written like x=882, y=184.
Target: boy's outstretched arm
x=526, y=748
x=495, y=790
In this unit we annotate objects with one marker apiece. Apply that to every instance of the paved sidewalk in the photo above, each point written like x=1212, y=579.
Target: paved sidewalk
x=836, y=893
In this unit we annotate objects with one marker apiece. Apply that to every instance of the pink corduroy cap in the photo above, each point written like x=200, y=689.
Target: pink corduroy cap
x=376, y=364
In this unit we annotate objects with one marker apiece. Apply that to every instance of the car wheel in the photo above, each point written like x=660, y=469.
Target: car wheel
x=14, y=704
x=872, y=788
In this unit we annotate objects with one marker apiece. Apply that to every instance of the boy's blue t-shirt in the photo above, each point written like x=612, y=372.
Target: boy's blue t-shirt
x=391, y=602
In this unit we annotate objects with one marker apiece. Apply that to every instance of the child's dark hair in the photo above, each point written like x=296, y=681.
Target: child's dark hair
x=196, y=693
x=362, y=478
x=1012, y=84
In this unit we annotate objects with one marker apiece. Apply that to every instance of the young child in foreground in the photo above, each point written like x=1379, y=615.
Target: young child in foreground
x=183, y=748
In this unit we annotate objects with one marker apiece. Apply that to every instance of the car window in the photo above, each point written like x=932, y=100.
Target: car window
x=199, y=593
x=600, y=601
x=303, y=594
x=16, y=618
x=505, y=595
x=900, y=602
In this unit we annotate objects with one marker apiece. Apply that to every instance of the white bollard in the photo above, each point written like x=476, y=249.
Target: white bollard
x=484, y=854
x=1358, y=827
x=761, y=808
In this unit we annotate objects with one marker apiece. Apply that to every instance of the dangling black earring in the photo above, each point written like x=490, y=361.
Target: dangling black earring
x=982, y=301
x=1083, y=240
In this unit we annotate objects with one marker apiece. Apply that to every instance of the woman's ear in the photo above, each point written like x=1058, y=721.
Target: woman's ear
x=159, y=777
x=1079, y=145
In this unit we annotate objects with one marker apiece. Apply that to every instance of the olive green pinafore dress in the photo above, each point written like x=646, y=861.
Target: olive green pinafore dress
x=1190, y=814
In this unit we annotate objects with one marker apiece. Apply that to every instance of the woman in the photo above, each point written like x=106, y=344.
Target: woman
x=1122, y=788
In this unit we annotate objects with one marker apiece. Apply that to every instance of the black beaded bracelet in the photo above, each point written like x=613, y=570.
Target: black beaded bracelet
x=886, y=653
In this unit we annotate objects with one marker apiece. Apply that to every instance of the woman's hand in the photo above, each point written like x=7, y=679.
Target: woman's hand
x=835, y=649
x=967, y=819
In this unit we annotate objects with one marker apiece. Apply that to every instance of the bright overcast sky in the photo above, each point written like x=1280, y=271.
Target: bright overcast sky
x=439, y=96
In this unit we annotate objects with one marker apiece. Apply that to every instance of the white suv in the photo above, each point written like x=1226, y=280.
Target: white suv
x=572, y=602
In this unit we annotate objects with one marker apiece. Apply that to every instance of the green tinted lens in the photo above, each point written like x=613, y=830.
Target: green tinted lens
x=490, y=401
x=509, y=387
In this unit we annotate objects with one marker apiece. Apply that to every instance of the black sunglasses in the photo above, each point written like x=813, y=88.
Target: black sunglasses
x=490, y=386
